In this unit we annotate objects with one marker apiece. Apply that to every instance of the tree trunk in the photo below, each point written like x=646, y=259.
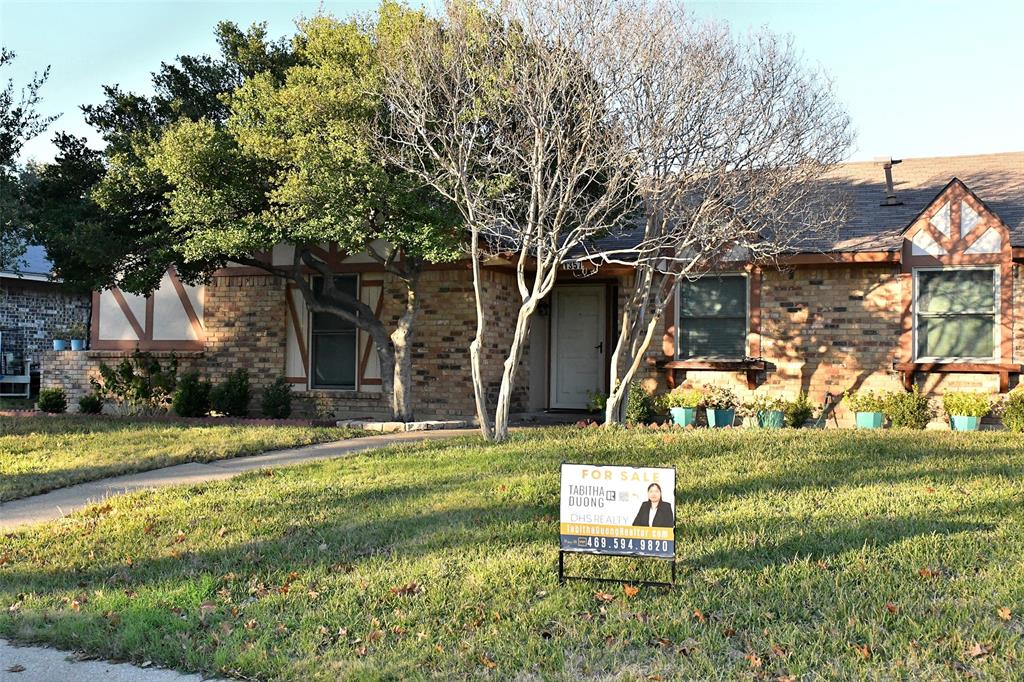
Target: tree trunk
x=515, y=354
x=475, y=348
x=615, y=407
x=401, y=339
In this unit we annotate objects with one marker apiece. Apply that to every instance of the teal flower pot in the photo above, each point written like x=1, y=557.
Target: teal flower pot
x=720, y=418
x=869, y=420
x=771, y=419
x=964, y=423
x=59, y=344
x=683, y=416
x=77, y=344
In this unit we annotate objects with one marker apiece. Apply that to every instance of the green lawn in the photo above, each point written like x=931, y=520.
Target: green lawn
x=810, y=554
x=43, y=453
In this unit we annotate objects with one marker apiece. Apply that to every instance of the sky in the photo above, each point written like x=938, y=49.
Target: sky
x=918, y=78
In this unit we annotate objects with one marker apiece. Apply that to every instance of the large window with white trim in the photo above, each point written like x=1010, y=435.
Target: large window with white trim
x=333, y=342
x=956, y=313
x=712, y=319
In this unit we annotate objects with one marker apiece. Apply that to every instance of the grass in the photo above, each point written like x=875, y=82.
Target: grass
x=811, y=554
x=43, y=453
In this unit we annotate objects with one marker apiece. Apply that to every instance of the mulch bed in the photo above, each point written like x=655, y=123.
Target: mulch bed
x=174, y=419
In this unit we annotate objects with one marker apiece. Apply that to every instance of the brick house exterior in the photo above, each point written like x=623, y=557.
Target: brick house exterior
x=874, y=306
x=34, y=310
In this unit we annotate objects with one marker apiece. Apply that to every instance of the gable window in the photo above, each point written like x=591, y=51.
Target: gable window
x=712, y=318
x=333, y=344
x=955, y=313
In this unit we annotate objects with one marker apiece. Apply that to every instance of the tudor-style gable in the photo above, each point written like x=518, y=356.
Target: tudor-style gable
x=956, y=228
x=957, y=289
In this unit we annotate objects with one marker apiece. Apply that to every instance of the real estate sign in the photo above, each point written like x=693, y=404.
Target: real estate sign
x=618, y=510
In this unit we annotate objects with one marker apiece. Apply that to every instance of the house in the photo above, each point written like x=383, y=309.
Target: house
x=34, y=309
x=919, y=287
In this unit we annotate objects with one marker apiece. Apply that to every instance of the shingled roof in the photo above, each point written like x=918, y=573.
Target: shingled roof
x=997, y=179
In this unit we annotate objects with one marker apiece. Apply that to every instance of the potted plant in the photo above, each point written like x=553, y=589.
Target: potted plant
x=768, y=413
x=868, y=408
x=77, y=333
x=965, y=410
x=59, y=339
x=720, y=405
x=683, y=406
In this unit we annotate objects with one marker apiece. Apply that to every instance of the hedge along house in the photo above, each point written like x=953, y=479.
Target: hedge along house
x=920, y=286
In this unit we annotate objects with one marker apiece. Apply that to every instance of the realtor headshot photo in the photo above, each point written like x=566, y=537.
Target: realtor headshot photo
x=655, y=512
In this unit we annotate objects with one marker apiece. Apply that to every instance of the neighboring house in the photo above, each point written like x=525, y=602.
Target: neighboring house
x=34, y=309
x=920, y=286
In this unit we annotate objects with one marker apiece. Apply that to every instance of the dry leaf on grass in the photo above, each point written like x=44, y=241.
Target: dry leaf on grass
x=979, y=651
x=863, y=651
x=488, y=662
x=604, y=596
x=1004, y=613
x=630, y=590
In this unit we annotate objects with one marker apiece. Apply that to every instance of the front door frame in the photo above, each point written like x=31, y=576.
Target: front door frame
x=609, y=296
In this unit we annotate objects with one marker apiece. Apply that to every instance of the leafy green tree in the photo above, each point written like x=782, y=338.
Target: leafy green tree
x=20, y=121
x=270, y=143
x=296, y=162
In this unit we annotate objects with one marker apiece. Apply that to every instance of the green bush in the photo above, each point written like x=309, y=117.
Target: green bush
x=90, y=404
x=966, y=404
x=639, y=405
x=139, y=384
x=719, y=398
x=192, y=397
x=277, y=399
x=908, y=409
x=864, y=401
x=799, y=411
x=52, y=400
x=1012, y=411
x=687, y=397
x=232, y=397
x=596, y=402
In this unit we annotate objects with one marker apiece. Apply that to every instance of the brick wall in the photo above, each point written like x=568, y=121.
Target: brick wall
x=444, y=329
x=32, y=314
x=834, y=329
x=72, y=370
x=245, y=328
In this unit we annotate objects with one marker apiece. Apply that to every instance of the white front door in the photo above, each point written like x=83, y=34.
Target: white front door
x=577, y=345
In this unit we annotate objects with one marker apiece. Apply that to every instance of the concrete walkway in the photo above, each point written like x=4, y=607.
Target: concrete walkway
x=40, y=664
x=58, y=503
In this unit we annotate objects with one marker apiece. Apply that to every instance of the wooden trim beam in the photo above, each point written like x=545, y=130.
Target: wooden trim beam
x=128, y=314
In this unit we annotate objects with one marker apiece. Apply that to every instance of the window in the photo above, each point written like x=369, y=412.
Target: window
x=712, y=321
x=333, y=342
x=955, y=313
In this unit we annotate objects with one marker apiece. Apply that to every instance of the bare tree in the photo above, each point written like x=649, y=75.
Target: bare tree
x=731, y=140
x=500, y=110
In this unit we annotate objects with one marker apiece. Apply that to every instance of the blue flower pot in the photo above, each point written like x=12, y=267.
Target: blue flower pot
x=683, y=416
x=964, y=423
x=869, y=420
x=771, y=419
x=59, y=344
x=77, y=344
x=720, y=418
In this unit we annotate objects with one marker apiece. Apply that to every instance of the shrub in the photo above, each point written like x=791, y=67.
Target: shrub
x=232, y=397
x=52, y=400
x=192, y=397
x=639, y=405
x=719, y=398
x=966, y=404
x=799, y=411
x=687, y=397
x=139, y=384
x=908, y=409
x=1012, y=411
x=277, y=399
x=596, y=402
x=90, y=404
x=864, y=401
